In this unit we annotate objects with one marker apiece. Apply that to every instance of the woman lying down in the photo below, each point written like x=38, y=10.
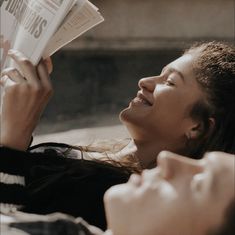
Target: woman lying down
x=181, y=196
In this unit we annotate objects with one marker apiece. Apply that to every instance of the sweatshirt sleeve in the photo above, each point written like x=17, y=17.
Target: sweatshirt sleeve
x=12, y=180
x=14, y=168
x=56, y=223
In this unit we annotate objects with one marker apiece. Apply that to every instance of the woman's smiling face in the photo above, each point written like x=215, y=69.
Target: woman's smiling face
x=180, y=196
x=160, y=112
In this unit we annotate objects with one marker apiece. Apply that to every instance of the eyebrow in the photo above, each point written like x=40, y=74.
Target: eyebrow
x=173, y=70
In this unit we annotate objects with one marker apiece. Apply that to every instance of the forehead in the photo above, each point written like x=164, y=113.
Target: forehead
x=184, y=64
x=223, y=169
x=221, y=161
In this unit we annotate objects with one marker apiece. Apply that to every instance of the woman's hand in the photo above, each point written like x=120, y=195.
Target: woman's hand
x=24, y=102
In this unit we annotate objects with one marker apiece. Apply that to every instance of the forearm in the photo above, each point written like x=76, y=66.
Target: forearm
x=19, y=141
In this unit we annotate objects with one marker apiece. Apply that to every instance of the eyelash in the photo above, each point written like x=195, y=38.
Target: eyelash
x=200, y=182
x=169, y=82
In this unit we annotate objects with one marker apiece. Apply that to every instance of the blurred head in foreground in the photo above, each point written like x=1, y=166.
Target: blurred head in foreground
x=181, y=196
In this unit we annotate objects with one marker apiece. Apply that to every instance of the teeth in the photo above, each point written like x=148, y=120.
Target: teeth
x=138, y=99
x=144, y=101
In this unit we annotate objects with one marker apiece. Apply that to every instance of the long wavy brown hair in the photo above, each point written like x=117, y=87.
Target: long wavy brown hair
x=214, y=68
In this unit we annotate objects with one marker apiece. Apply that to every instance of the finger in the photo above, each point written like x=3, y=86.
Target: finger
x=43, y=74
x=3, y=81
x=27, y=68
x=49, y=65
x=13, y=74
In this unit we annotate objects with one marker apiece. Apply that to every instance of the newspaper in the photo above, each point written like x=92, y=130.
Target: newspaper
x=38, y=28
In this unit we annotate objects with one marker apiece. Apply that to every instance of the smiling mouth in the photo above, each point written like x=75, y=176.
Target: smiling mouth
x=140, y=99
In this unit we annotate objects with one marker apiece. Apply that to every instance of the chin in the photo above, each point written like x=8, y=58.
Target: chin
x=117, y=196
x=123, y=115
x=130, y=115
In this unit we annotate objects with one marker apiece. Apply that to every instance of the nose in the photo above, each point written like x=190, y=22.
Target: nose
x=174, y=165
x=148, y=83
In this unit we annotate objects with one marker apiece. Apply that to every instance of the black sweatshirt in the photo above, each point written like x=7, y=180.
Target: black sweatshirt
x=43, y=183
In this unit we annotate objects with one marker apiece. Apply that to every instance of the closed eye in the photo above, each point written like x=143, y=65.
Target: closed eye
x=202, y=183
x=169, y=82
x=197, y=183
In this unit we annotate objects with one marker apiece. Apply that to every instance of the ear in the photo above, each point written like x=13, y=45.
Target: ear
x=194, y=131
x=198, y=128
x=211, y=122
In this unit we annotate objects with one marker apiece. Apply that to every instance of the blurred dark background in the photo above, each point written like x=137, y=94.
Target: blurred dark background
x=96, y=75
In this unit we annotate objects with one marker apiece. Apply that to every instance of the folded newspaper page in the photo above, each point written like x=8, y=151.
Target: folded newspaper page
x=39, y=28
x=82, y=17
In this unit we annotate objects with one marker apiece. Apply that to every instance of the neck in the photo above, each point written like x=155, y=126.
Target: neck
x=146, y=152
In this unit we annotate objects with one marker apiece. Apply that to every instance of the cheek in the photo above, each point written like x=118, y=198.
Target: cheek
x=170, y=102
x=170, y=109
x=115, y=199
